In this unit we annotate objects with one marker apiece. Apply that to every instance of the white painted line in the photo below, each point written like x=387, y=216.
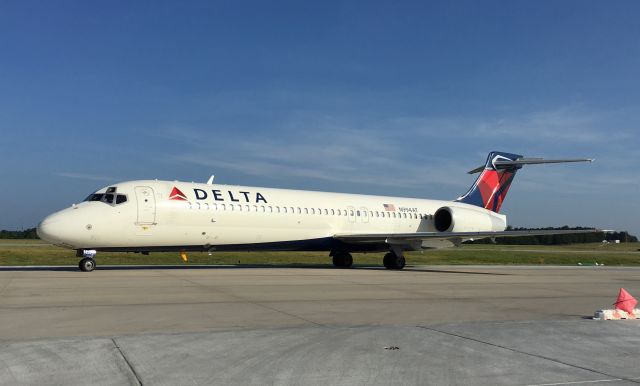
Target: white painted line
x=582, y=382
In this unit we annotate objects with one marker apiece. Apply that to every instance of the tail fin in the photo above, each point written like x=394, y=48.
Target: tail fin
x=491, y=187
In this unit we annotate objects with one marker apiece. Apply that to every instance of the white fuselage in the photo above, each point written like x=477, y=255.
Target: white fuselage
x=164, y=215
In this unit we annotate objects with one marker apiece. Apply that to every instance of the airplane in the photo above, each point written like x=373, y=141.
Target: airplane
x=151, y=215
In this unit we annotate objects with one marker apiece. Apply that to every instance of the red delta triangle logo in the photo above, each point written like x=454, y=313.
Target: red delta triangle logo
x=176, y=194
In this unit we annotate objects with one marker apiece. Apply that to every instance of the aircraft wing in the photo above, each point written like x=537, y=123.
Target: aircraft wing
x=455, y=237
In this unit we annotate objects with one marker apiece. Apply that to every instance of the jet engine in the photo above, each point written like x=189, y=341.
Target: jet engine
x=460, y=219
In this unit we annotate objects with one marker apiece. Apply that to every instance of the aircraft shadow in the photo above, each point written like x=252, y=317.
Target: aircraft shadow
x=67, y=268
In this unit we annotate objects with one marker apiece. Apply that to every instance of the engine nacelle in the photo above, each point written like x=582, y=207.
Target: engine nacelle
x=456, y=219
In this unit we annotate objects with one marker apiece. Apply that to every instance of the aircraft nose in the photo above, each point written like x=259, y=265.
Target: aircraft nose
x=47, y=229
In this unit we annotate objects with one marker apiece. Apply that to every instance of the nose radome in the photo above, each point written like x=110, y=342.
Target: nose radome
x=46, y=230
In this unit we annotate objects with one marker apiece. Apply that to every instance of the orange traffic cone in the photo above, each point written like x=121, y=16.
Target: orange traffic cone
x=625, y=302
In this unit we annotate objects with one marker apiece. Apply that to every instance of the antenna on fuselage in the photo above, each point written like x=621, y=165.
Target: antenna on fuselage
x=210, y=181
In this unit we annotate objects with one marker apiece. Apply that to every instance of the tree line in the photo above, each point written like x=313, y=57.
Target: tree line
x=23, y=234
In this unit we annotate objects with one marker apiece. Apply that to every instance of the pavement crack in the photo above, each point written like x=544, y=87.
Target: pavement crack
x=126, y=360
x=529, y=354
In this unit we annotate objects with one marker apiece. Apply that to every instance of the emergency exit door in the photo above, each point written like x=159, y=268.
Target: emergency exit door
x=146, y=205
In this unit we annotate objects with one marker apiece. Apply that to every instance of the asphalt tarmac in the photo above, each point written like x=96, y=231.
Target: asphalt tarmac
x=440, y=325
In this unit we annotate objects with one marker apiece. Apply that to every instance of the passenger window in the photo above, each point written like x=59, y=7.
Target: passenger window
x=247, y=208
x=333, y=212
x=270, y=209
x=299, y=210
x=357, y=213
x=223, y=207
x=284, y=209
x=326, y=212
x=313, y=211
x=319, y=211
x=255, y=208
x=214, y=206
x=306, y=211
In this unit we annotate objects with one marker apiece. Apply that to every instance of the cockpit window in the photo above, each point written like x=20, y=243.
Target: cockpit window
x=108, y=198
x=94, y=197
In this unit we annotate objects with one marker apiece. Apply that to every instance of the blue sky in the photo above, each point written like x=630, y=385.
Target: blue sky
x=397, y=98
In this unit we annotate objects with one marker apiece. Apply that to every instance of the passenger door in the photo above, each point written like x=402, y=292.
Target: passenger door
x=365, y=214
x=146, y=205
x=352, y=213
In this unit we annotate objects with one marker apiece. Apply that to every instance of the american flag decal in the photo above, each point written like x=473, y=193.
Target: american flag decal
x=389, y=207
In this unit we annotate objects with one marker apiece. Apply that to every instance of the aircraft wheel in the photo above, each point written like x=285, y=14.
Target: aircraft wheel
x=392, y=261
x=348, y=260
x=87, y=265
x=342, y=260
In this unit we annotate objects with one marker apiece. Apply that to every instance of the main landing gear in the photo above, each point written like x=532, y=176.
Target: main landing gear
x=342, y=259
x=87, y=264
x=393, y=260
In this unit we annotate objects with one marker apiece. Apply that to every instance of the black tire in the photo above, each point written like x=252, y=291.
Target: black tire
x=87, y=265
x=391, y=261
x=387, y=261
x=342, y=260
x=348, y=260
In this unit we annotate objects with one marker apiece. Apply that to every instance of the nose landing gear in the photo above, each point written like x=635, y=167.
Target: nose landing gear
x=87, y=264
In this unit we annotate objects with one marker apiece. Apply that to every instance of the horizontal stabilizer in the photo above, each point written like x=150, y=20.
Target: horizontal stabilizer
x=529, y=161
